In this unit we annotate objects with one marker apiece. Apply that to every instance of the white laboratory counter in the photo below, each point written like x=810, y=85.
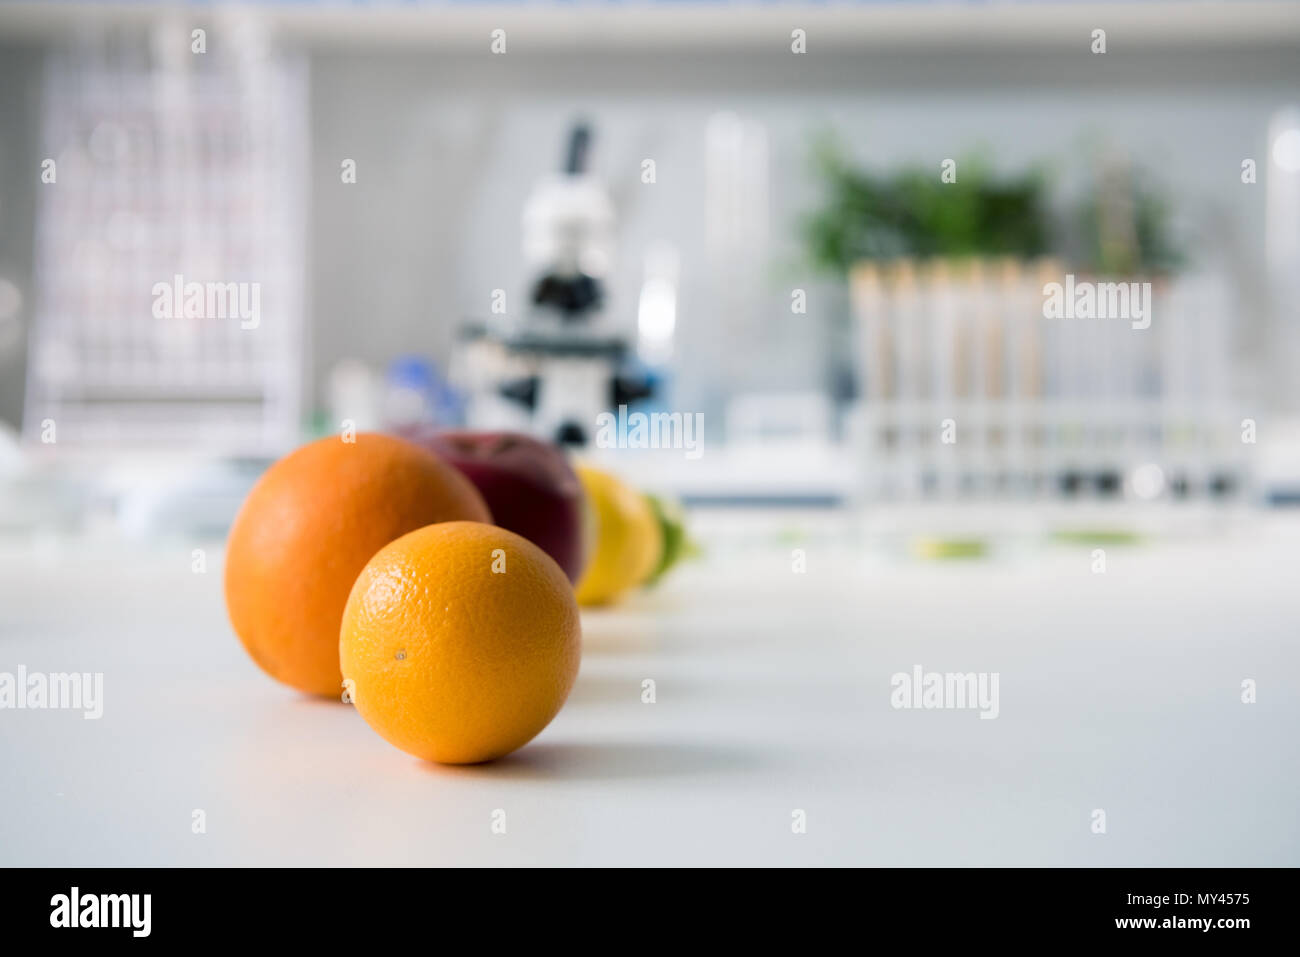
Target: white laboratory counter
x=1119, y=691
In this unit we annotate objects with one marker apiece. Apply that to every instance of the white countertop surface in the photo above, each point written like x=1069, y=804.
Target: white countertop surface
x=1118, y=691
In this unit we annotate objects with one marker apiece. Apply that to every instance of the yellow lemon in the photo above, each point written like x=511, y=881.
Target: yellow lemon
x=627, y=541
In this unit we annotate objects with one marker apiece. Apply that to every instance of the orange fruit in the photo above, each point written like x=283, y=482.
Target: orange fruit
x=309, y=526
x=460, y=642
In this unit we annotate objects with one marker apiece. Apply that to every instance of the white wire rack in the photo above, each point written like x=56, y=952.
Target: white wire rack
x=169, y=163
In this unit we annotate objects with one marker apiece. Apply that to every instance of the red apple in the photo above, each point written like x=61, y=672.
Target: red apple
x=528, y=485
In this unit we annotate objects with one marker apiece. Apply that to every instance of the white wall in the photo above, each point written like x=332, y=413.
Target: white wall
x=449, y=145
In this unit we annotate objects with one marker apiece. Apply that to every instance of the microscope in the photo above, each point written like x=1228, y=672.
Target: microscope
x=564, y=360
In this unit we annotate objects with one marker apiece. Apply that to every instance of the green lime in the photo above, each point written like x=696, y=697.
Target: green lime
x=672, y=523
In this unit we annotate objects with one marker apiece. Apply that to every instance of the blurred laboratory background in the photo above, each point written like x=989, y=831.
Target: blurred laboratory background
x=826, y=228
x=833, y=234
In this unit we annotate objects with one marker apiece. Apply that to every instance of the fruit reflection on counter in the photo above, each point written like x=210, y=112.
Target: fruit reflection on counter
x=369, y=567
